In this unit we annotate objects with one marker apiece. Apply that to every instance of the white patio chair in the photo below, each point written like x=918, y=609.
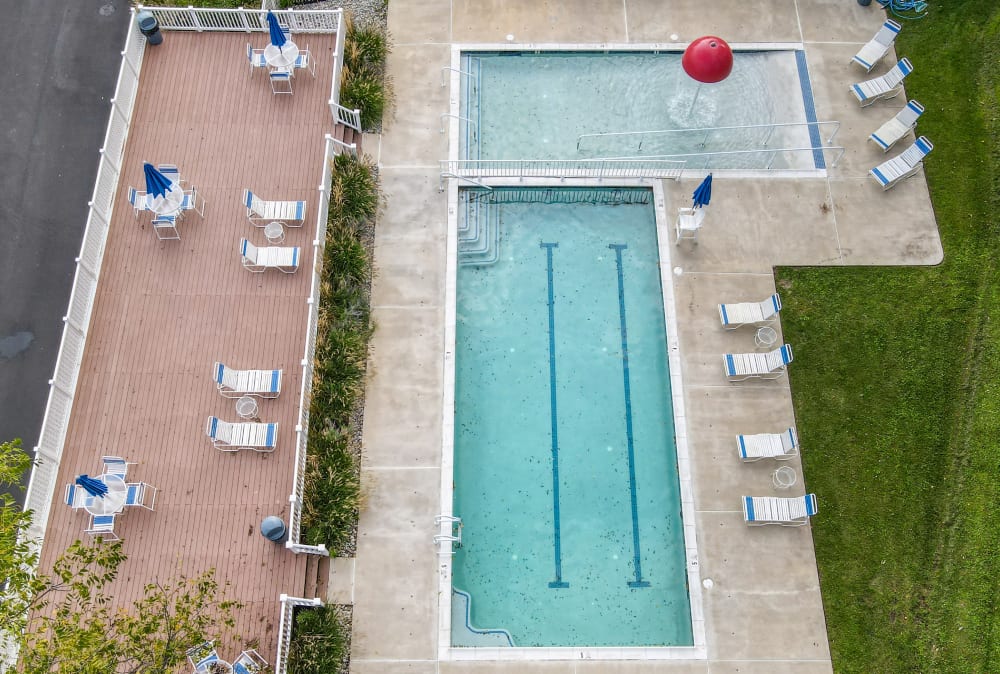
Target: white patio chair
x=76, y=496
x=238, y=383
x=878, y=46
x=770, y=365
x=885, y=86
x=281, y=81
x=165, y=227
x=193, y=202
x=780, y=446
x=230, y=437
x=786, y=511
x=750, y=313
x=141, y=494
x=202, y=656
x=304, y=61
x=249, y=662
x=115, y=465
x=890, y=173
x=137, y=199
x=688, y=223
x=102, y=526
x=257, y=260
x=171, y=172
x=261, y=212
x=256, y=58
x=898, y=126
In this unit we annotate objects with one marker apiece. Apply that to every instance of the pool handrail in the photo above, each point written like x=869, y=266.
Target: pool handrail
x=708, y=130
x=687, y=158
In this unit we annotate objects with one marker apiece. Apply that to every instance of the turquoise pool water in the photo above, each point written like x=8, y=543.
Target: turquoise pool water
x=537, y=105
x=565, y=466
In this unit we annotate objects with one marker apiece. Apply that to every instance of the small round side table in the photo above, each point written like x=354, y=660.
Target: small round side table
x=765, y=337
x=784, y=478
x=275, y=232
x=246, y=407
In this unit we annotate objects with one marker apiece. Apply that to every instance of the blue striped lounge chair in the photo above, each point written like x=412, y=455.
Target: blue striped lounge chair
x=893, y=171
x=750, y=313
x=282, y=258
x=261, y=212
x=781, y=446
x=256, y=58
x=102, y=526
x=230, y=437
x=878, y=46
x=770, y=365
x=786, y=511
x=141, y=494
x=885, y=86
x=238, y=383
x=898, y=126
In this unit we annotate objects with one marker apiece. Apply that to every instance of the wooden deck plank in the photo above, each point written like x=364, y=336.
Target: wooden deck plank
x=166, y=310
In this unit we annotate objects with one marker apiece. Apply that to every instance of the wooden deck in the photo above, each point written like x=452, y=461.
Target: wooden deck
x=166, y=310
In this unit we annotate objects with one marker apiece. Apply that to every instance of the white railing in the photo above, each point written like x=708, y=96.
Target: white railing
x=470, y=169
x=716, y=159
x=246, y=20
x=285, y=626
x=342, y=115
x=48, y=452
x=637, y=139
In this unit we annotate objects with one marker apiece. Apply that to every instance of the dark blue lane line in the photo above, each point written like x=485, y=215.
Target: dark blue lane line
x=810, y=106
x=558, y=582
x=638, y=582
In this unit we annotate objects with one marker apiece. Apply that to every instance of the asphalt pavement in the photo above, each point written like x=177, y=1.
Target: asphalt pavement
x=57, y=82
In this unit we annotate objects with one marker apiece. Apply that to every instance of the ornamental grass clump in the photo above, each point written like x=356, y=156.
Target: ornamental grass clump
x=320, y=641
x=364, y=85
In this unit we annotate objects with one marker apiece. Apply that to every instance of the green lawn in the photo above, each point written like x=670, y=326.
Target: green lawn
x=896, y=387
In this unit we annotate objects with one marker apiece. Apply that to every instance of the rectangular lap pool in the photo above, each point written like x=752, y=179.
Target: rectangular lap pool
x=565, y=467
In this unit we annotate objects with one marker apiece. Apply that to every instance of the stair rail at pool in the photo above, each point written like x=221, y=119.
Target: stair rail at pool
x=470, y=169
x=643, y=136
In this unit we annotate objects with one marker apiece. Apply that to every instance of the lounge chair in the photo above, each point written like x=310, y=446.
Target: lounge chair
x=141, y=494
x=282, y=258
x=786, y=511
x=256, y=58
x=780, y=446
x=102, y=526
x=688, y=223
x=886, y=86
x=249, y=662
x=878, y=46
x=892, y=172
x=261, y=212
x=115, y=465
x=750, y=313
x=898, y=126
x=202, y=657
x=238, y=383
x=770, y=365
x=228, y=437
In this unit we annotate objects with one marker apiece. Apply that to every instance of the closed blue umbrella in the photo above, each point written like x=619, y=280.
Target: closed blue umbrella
x=277, y=35
x=93, y=486
x=157, y=184
x=703, y=193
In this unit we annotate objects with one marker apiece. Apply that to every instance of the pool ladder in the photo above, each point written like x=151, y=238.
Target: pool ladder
x=447, y=543
x=479, y=231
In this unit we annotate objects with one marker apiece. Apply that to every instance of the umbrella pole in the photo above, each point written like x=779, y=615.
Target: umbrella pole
x=694, y=102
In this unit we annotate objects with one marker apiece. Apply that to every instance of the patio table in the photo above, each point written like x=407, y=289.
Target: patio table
x=110, y=503
x=170, y=202
x=281, y=57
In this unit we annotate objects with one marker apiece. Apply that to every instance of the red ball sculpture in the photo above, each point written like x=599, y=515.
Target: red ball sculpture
x=708, y=59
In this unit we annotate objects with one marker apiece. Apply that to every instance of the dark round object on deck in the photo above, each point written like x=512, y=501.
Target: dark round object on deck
x=273, y=529
x=149, y=26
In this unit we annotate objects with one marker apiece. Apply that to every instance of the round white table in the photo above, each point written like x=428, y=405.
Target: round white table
x=783, y=478
x=274, y=232
x=246, y=408
x=110, y=503
x=170, y=202
x=765, y=337
x=281, y=58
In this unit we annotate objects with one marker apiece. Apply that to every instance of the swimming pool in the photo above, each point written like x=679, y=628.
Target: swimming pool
x=565, y=468
x=519, y=105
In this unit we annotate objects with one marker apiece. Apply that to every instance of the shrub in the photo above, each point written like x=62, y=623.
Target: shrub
x=319, y=641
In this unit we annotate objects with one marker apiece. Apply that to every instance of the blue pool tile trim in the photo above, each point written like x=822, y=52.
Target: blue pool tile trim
x=810, y=106
x=637, y=557
x=557, y=544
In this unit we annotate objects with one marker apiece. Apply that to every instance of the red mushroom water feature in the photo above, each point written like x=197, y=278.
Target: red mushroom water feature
x=708, y=60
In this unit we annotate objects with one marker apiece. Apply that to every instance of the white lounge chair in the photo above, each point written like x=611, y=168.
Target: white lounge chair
x=786, y=511
x=102, y=526
x=261, y=212
x=750, y=313
x=892, y=172
x=229, y=437
x=688, y=223
x=141, y=494
x=238, y=383
x=885, y=86
x=282, y=258
x=780, y=446
x=770, y=365
x=898, y=126
x=878, y=46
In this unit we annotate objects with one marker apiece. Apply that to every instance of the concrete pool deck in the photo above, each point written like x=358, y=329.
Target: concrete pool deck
x=763, y=613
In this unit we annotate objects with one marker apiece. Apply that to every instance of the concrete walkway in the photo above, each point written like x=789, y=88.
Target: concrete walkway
x=763, y=612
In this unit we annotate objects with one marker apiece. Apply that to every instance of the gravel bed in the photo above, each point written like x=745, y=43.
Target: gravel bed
x=362, y=11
